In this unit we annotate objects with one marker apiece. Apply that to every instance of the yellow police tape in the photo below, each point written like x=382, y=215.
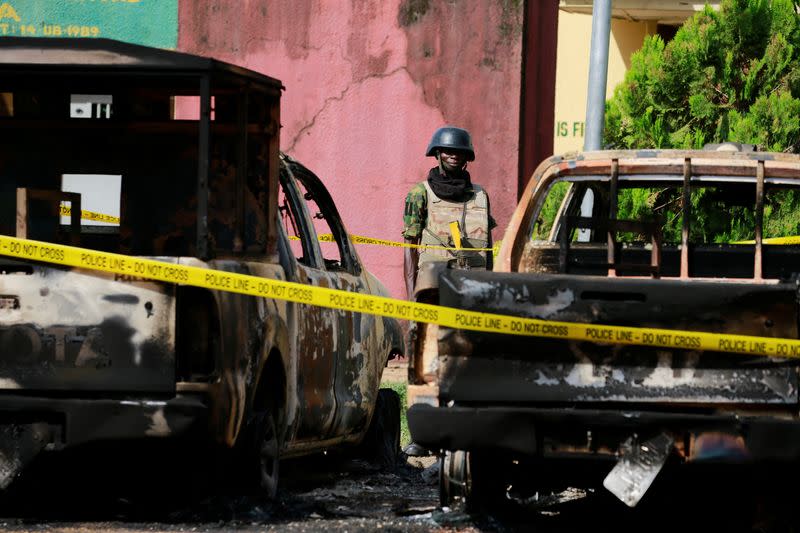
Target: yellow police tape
x=325, y=237
x=357, y=239
x=135, y=267
x=793, y=239
x=89, y=215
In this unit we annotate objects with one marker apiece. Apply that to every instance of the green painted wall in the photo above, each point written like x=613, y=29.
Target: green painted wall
x=148, y=22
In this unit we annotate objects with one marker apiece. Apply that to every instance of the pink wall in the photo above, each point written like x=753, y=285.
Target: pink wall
x=367, y=83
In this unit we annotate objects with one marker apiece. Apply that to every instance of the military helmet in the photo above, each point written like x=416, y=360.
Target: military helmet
x=451, y=137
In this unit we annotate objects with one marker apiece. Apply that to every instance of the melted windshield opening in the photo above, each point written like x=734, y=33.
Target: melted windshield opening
x=590, y=225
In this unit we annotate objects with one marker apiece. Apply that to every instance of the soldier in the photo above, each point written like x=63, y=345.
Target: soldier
x=448, y=195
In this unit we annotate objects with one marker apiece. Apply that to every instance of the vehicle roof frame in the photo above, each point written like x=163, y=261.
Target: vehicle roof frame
x=683, y=164
x=24, y=58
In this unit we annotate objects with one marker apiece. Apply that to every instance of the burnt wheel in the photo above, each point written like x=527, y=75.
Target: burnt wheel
x=455, y=480
x=472, y=479
x=381, y=443
x=268, y=448
x=258, y=460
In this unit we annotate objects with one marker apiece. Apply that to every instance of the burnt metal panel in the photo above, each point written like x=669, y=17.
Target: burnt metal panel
x=480, y=367
x=69, y=330
x=202, y=168
x=524, y=429
x=78, y=420
x=559, y=371
x=763, y=309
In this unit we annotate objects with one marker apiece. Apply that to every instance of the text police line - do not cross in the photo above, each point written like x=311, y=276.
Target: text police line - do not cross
x=135, y=267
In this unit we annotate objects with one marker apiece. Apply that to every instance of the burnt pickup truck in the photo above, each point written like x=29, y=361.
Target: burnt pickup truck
x=152, y=153
x=680, y=240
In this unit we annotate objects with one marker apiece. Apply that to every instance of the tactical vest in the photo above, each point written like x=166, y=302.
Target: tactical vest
x=473, y=219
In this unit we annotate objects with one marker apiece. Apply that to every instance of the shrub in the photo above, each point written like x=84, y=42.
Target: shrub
x=728, y=75
x=731, y=75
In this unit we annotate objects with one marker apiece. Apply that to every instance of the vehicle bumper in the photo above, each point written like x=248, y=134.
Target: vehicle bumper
x=542, y=431
x=70, y=422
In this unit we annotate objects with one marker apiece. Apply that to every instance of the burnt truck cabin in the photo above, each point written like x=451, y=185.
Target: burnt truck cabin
x=185, y=148
x=145, y=152
x=177, y=154
x=681, y=240
x=182, y=152
x=697, y=219
x=174, y=157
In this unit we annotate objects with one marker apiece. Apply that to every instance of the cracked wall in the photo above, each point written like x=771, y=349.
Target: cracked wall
x=367, y=83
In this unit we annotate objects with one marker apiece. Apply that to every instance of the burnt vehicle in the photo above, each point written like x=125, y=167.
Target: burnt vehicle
x=179, y=154
x=678, y=240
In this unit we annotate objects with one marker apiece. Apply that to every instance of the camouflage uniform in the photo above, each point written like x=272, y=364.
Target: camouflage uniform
x=415, y=213
x=427, y=219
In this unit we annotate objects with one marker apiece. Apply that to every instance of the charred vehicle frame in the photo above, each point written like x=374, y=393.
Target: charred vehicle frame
x=504, y=401
x=182, y=152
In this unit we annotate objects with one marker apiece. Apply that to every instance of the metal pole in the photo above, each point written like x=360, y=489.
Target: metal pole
x=598, y=74
x=203, y=148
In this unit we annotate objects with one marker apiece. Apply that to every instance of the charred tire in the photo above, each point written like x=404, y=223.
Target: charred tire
x=262, y=464
x=381, y=444
x=474, y=479
x=269, y=447
x=455, y=478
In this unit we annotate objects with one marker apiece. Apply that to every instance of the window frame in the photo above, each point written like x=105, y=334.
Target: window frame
x=350, y=262
x=311, y=253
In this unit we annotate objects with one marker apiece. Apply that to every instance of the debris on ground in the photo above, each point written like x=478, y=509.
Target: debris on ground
x=542, y=500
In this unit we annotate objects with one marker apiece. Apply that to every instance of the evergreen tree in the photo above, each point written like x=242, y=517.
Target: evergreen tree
x=728, y=75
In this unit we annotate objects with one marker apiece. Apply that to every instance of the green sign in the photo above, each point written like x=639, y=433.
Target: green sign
x=147, y=22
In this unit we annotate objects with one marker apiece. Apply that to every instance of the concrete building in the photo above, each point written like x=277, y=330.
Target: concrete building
x=632, y=21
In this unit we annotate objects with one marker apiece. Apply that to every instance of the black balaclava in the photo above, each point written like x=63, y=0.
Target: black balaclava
x=450, y=185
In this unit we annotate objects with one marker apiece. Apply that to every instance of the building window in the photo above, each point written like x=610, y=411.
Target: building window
x=666, y=31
